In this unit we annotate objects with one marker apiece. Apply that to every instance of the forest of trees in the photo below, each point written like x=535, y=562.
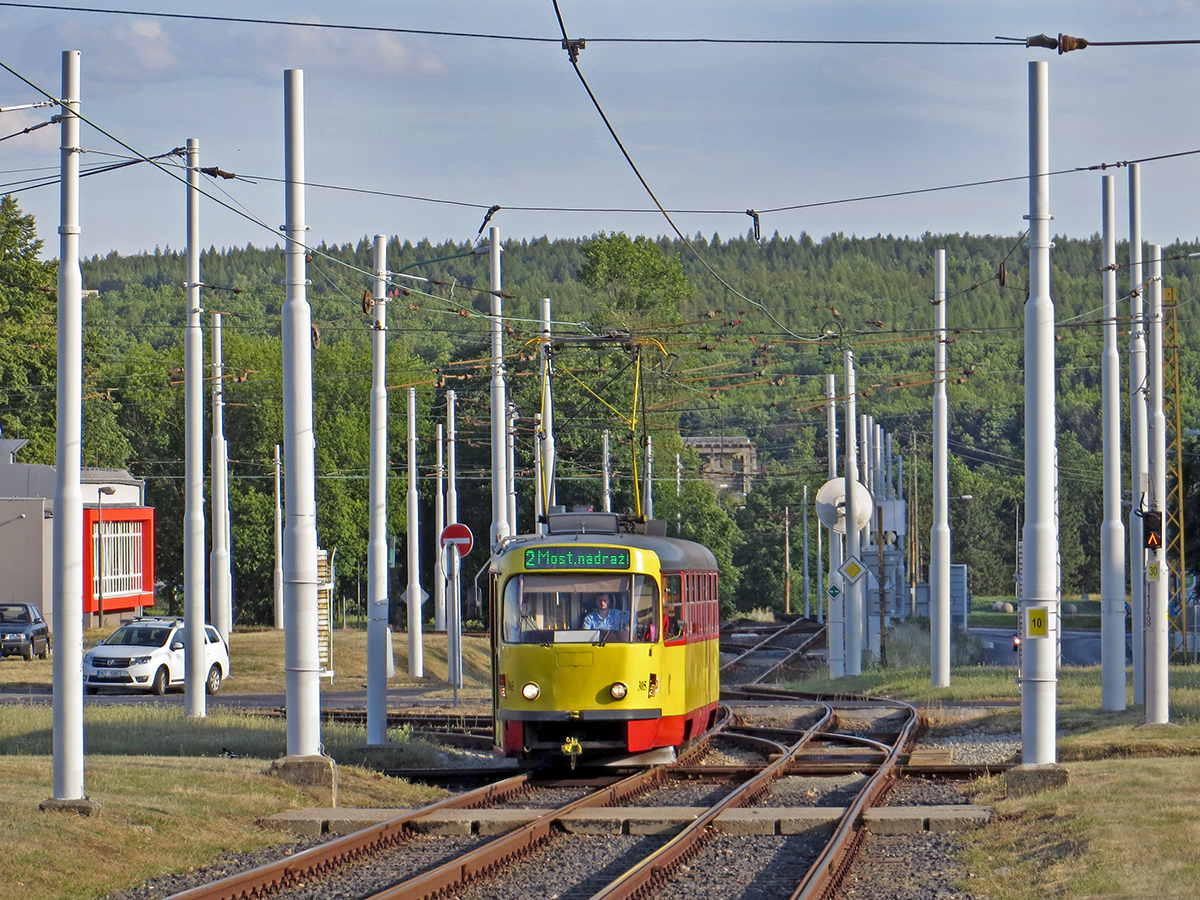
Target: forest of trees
x=686, y=354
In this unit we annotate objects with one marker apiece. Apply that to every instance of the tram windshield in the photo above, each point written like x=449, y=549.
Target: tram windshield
x=545, y=609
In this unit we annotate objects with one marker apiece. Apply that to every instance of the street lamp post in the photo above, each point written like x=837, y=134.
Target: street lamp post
x=101, y=492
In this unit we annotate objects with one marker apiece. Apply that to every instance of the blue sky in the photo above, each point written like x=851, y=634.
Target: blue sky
x=712, y=127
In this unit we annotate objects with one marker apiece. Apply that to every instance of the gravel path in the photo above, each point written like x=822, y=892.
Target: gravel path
x=570, y=867
x=900, y=867
x=732, y=867
x=907, y=867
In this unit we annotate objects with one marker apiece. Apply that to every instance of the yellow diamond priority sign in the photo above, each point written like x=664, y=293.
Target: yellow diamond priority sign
x=852, y=569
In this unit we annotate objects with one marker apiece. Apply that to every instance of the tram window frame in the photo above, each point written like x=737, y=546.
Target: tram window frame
x=636, y=597
x=673, y=608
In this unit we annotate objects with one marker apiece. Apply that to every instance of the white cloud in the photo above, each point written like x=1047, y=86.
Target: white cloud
x=267, y=51
x=133, y=50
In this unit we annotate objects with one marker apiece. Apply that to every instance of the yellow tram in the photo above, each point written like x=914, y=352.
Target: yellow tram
x=604, y=639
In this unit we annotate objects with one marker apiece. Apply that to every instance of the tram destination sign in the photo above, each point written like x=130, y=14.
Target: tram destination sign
x=576, y=558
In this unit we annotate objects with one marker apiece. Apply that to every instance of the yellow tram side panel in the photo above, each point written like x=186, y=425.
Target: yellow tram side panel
x=576, y=679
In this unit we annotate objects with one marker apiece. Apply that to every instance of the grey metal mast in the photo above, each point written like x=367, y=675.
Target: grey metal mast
x=1112, y=530
x=67, y=579
x=302, y=662
x=377, y=551
x=939, y=532
x=193, y=517
x=1039, y=599
x=220, y=599
x=1139, y=472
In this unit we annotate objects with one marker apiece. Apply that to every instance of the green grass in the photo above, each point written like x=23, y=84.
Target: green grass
x=170, y=798
x=1125, y=826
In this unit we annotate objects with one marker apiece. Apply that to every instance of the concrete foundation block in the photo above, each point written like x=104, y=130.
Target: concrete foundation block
x=803, y=819
x=1021, y=781
x=445, y=822
x=501, y=821
x=595, y=821
x=895, y=820
x=316, y=772
x=303, y=822
x=748, y=821
x=83, y=807
x=659, y=820
x=346, y=821
x=957, y=817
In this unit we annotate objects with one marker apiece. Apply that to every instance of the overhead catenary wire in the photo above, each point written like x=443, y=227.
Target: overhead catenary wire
x=539, y=39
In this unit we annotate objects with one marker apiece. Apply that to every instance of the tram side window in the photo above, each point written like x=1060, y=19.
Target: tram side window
x=673, y=612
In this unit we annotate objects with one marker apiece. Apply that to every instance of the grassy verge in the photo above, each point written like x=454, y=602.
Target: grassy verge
x=257, y=663
x=171, y=799
x=1124, y=827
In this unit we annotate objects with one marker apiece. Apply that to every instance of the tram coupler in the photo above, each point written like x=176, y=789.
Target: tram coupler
x=573, y=749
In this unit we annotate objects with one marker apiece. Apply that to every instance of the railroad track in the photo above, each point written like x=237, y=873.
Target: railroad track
x=772, y=745
x=761, y=650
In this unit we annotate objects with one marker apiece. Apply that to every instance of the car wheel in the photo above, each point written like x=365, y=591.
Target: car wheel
x=45, y=654
x=158, y=687
x=212, y=683
x=27, y=653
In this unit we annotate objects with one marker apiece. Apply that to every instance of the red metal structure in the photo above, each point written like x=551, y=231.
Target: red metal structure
x=127, y=555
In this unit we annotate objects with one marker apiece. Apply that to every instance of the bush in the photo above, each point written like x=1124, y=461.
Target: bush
x=908, y=646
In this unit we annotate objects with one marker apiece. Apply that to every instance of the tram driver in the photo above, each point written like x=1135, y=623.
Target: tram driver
x=605, y=616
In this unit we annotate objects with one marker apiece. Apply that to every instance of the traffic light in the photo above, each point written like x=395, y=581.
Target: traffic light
x=1152, y=529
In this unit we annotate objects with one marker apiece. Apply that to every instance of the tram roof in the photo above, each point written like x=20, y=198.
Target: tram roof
x=673, y=553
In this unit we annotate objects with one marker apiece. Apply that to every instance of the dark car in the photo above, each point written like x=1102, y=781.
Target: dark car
x=23, y=631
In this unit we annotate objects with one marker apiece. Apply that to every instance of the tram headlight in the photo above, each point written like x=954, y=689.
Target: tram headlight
x=619, y=690
x=503, y=685
x=530, y=691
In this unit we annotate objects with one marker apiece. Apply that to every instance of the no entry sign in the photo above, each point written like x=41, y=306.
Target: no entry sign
x=460, y=535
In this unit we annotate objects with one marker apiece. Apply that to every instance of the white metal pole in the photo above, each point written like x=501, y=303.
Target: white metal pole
x=939, y=532
x=836, y=633
x=451, y=460
x=416, y=656
x=451, y=559
x=878, y=616
x=1158, y=648
x=377, y=550
x=807, y=586
x=1139, y=473
x=193, y=516
x=607, y=477
x=1112, y=530
x=454, y=623
x=1039, y=599
x=787, y=559
x=854, y=590
x=67, y=578
x=218, y=561
x=439, y=523
x=510, y=467
x=277, y=574
x=549, y=448
x=821, y=577
x=500, y=525
x=303, y=666
x=866, y=433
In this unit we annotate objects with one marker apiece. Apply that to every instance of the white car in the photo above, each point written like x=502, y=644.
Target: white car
x=148, y=654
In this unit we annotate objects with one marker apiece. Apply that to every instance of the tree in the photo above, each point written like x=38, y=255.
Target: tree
x=28, y=344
